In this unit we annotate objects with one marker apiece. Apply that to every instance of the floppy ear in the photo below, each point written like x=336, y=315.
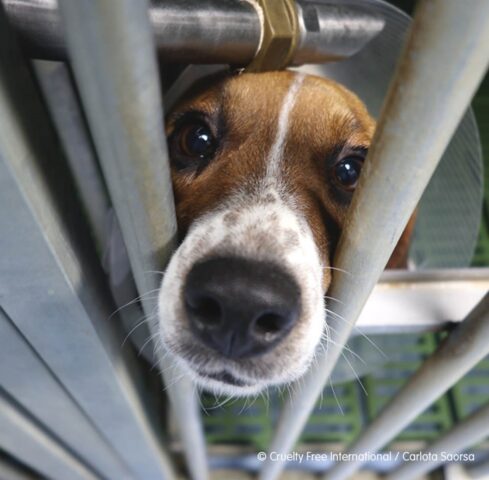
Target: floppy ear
x=399, y=256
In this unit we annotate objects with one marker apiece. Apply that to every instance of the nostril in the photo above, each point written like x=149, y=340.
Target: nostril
x=270, y=325
x=240, y=307
x=206, y=311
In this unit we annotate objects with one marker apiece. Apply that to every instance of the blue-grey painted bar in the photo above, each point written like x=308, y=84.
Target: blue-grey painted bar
x=114, y=61
x=461, y=351
x=56, y=303
x=27, y=440
x=463, y=435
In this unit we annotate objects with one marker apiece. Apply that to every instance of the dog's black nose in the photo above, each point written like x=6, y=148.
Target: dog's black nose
x=240, y=307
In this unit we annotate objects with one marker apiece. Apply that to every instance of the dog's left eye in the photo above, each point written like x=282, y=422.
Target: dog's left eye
x=195, y=140
x=347, y=172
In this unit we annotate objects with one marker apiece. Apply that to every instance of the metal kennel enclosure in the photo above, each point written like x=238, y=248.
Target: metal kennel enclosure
x=73, y=403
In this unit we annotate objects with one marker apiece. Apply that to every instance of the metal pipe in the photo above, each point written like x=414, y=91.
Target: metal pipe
x=463, y=349
x=466, y=433
x=22, y=436
x=478, y=470
x=422, y=300
x=445, y=57
x=65, y=327
x=115, y=68
x=211, y=31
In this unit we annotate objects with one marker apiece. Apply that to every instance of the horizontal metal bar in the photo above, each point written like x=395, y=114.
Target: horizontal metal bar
x=23, y=438
x=461, y=351
x=211, y=31
x=463, y=435
x=444, y=60
x=422, y=300
x=116, y=72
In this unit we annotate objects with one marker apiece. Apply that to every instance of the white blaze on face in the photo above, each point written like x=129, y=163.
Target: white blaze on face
x=276, y=152
x=264, y=226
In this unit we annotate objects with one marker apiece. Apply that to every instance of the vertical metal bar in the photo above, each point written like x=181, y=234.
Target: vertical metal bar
x=462, y=350
x=462, y=436
x=61, y=99
x=114, y=61
x=445, y=57
x=47, y=259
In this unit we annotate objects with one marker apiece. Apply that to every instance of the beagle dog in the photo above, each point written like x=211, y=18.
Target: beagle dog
x=264, y=167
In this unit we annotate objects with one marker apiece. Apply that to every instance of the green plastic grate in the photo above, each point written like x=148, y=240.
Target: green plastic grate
x=251, y=422
x=472, y=391
x=480, y=105
x=247, y=422
x=383, y=385
x=336, y=418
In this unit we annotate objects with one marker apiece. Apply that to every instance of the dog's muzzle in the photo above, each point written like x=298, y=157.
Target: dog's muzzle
x=242, y=308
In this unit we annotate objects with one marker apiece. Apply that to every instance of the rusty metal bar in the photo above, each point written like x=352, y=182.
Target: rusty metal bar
x=445, y=57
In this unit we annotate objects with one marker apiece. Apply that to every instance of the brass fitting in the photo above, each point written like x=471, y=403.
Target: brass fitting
x=280, y=35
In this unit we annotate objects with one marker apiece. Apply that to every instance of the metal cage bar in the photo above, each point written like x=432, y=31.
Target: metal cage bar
x=462, y=436
x=444, y=60
x=461, y=351
x=478, y=470
x=52, y=291
x=21, y=436
x=114, y=61
x=51, y=401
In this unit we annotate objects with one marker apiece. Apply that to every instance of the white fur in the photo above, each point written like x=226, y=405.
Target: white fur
x=276, y=152
x=265, y=226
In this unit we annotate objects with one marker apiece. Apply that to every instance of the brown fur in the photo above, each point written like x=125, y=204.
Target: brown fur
x=326, y=122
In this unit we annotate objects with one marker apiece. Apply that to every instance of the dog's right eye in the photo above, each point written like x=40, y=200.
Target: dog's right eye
x=193, y=141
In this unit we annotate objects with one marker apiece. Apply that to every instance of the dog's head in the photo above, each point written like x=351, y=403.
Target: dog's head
x=263, y=167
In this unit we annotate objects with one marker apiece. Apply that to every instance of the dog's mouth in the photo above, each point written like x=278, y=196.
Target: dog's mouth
x=224, y=381
x=225, y=377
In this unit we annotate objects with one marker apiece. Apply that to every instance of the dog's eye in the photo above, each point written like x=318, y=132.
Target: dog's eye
x=347, y=172
x=195, y=140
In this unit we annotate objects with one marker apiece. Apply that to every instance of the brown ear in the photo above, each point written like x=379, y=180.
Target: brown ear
x=399, y=256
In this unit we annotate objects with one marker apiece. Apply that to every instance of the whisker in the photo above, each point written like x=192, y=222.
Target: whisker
x=369, y=340
x=355, y=373
x=337, y=270
x=133, y=301
x=158, y=272
x=145, y=318
x=334, y=299
x=336, y=398
x=344, y=347
x=148, y=340
x=174, y=382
